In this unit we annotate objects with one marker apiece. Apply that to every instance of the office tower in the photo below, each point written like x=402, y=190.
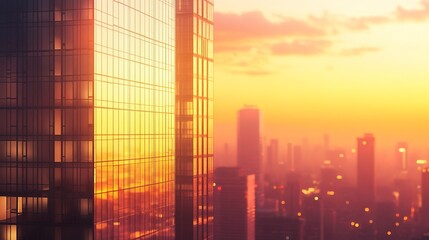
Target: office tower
x=365, y=170
x=401, y=157
x=87, y=128
x=405, y=196
x=271, y=226
x=425, y=196
x=328, y=179
x=248, y=140
x=289, y=157
x=293, y=193
x=249, y=156
x=297, y=158
x=272, y=162
x=194, y=119
x=234, y=204
x=385, y=220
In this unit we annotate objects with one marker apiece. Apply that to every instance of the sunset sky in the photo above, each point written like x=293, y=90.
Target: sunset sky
x=341, y=67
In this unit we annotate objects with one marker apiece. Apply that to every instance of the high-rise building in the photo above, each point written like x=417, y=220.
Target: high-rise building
x=249, y=155
x=194, y=119
x=401, y=157
x=87, y=105
x=270, y=225
x=293, y=194
x=366, y=170
x=425, y=196
x=234, y=204
x=272, y=159
x=248, y=140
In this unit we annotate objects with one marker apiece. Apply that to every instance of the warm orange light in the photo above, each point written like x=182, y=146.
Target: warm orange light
x=316, y=198
x=352, y=223
x=421, y=162
x=397, y=215
x=366, y=209
x=402, y=150
x=327, y=162
x=299, y=214
x=397, y=224
x=405, y=218
x=339, y=177
x=389, y=233
x=371, y=221
x=357, y=225
x=283, y=202
x=330, y=193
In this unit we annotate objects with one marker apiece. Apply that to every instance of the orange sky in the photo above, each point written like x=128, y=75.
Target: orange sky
x=331, y=66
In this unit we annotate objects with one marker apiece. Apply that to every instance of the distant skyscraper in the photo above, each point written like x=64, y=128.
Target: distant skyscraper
x=248, y=140
x=87, y=119
x=401, y=156
x=272, y=162
x=249, y=156
x=297, y=158
x=194, y=119
x=293, y=194
x=425, y=196
x=234, y=204
x=270, y=226
x=366, y=169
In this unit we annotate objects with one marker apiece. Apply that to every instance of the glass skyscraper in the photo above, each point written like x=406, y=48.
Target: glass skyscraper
x=87, y=119
x=194, y=119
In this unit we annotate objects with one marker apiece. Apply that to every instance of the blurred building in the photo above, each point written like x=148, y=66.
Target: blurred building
x=293, y=194
x=234, y=205
x=271, y=226
x=249, y=155
x=366, y=170
x=401, y=157
x=425, y=196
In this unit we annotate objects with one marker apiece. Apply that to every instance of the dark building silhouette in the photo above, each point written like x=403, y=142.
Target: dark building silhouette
x=234, y=204
x=425, y=196
x=249, y=155
x=404, y=189
x=401, y=157
x=366, y=170
x=271, y=226
x=293, y=198
x=194, y=119
x=248, y=140
x=272, y=168
x=87, y=119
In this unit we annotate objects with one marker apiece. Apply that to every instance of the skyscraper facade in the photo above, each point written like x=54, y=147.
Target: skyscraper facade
x=234, y=204
x=366, y=170
x=87, y=99
x=194, y=119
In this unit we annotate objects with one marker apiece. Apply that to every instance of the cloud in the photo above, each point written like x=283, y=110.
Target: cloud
x=364, y=23
x=359, y=51
x=301, y=47
x=254, y=25
x=422, y=14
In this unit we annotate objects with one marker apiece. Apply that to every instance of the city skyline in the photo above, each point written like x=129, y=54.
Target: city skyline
x=331, y=66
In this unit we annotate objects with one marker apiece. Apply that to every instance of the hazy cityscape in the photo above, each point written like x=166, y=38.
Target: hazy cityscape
x=251, y=120
x=318, y=191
